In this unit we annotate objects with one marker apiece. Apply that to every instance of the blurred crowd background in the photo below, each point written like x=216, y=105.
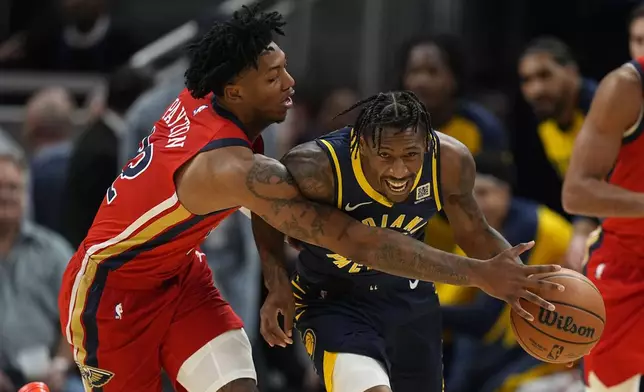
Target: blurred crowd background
x=83, y=81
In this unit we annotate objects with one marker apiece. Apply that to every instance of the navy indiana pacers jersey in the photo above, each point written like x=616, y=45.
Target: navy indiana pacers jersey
x=356, y=197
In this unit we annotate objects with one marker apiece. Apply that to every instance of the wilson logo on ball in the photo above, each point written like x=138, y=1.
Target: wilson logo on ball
x=564, y=323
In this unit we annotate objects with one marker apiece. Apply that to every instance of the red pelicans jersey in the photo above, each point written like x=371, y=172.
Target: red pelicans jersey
x=141, y=230
x=624, y=237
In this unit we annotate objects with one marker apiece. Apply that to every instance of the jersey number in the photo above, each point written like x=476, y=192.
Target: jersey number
x=135, y=166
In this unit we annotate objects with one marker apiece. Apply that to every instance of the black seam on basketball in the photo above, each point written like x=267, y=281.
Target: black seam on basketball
x=556, y=338
x=578, y=278
x=523, y=343
x=578, y=308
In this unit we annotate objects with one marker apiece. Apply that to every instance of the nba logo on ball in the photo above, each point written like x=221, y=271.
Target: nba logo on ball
x=572, y=329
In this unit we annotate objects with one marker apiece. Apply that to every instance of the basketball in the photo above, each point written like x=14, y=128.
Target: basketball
x=572, y=329
x=34, y=387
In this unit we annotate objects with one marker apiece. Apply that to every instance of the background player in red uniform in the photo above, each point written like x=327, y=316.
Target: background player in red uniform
x=137, y=296
x=606, y=179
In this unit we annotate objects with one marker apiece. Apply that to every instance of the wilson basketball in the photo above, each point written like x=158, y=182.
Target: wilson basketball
x=34, y=387
x=572, y=329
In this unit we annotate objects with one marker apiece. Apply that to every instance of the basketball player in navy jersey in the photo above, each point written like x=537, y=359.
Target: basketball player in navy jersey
x=366, y=330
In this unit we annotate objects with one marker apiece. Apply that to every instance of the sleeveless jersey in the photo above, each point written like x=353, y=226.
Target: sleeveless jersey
x=141, y=231
x=356, y=197
x=625, y=236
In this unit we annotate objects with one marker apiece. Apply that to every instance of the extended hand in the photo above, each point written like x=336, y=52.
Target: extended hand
x=503, y=278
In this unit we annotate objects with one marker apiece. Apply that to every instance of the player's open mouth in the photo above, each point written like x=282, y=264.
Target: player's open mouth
x=397, y=186
x=288, y=103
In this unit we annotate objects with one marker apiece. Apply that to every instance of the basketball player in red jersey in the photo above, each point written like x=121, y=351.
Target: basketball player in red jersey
x=606, y=179
x=138, y=295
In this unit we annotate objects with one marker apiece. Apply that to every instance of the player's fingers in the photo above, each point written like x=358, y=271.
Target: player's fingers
x=269, y=326
x=535, y=299
x=516, y=306
x=274, y=328
x=517, y=250
x=538, y=283
x=541, y=269
x=289, y=316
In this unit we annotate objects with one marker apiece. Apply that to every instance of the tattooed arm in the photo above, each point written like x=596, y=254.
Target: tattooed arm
x=471, y=231
x=311, y=171
x=234, y=176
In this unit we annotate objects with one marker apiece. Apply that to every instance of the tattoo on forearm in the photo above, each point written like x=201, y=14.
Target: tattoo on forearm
x=443, y=269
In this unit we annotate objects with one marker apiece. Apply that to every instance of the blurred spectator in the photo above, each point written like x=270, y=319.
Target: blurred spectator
x=560, y=99
x=81, y=36
x=507, y=366
x=147, y=110
x=47, y=134
x=636, y=32
x=434, y=69
x=94, y=162
x=32, y=260
x=559, y=96
x=325, y=121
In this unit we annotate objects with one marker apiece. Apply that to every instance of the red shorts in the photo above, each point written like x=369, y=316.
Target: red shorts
x=123, y=336
x=619, y=354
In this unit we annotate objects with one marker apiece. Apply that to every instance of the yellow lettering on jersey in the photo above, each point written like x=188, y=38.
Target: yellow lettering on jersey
x=383, y=222
x=411, y=226
x=342, y=262
x=369, y=222
x=339, y=260
x=398, y=222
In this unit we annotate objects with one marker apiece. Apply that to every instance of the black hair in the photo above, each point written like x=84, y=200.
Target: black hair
x=636, y=13
x=555, y=47
x=496, y=164
x=451, y=52
x=400, y=109
x=229, y=48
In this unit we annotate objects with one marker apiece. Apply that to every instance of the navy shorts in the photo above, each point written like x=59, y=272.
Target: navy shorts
x=400, y=327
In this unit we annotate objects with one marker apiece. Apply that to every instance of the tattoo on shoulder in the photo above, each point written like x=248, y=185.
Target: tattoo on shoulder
x=312, y=172
x=273, y=173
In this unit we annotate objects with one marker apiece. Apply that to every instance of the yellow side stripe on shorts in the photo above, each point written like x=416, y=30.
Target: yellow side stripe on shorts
x=328, y=365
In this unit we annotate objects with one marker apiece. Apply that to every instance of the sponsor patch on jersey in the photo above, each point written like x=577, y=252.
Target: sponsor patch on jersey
x=423, y=192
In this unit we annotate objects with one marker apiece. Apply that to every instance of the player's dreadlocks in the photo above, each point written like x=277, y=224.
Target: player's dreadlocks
x=400, y=109
x=229, y=48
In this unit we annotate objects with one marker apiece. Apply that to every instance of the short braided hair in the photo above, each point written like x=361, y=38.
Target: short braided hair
x=399, y=109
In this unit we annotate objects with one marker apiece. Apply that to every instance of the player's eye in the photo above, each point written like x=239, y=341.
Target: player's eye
x=411, y=154
x=384, y=155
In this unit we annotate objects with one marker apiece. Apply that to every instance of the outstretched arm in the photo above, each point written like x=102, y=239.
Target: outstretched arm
x=615, y=108
x=471, y=231
x=311, y=171
x=234, y=176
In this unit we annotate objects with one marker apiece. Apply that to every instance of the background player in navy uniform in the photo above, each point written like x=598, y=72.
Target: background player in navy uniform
x=366, y=330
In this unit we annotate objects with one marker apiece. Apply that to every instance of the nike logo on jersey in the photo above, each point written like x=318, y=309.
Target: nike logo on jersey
x=349, y=207
x=413, y=284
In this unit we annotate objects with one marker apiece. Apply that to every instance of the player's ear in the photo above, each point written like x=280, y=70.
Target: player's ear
x=362, y=145
x=232, y=93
